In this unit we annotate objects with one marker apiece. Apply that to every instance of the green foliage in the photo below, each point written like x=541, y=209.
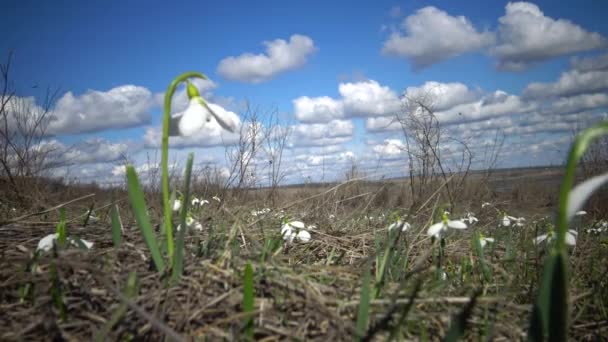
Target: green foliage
x=248, y=300
x=364, y=302
x=136, y=196
x=116, y=226
x=61, y=228
x=178, y=260
x=130, y=292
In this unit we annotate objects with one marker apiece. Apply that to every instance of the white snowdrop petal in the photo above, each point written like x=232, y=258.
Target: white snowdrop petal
x=540, y=239
x=457, y=224
x=580, y=193
x=406, y=226
x=490, y=240
x=193, y=119
x=303, y=236
x=286, y=229
x=436, y=229
x=297, y=224
x=570, y=239
x=46, y=243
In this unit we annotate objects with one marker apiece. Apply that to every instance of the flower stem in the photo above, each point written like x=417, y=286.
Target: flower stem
x=165, y=156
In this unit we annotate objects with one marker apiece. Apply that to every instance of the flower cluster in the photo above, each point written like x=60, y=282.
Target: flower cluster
x=295, y=230
x=46, y=243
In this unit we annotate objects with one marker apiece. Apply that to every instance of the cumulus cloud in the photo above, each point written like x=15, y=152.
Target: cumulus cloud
x=526, y=36
x=281, y=56
x=390, y=149
x=121, y=107
x=368, y=98
x=317, y=109
x=587, y=75
x=98, y=150
x=443, y=96
x=322, y=134
x=211, y=134
x=432, y=35
x=382, y=124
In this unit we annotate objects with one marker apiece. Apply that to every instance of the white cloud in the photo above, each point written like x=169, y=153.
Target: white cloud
x=390, y=149
x=120, y=107
x=490, y=105
x=432, y=35
x=281, y=56
x=382, y=124
x=211, y=134
x=570, y=83
x=322, y=134
x=97, y=150
x=526, y=36
x=443, y=96
x=317, y=109
x=368, y=98
x=590, y=63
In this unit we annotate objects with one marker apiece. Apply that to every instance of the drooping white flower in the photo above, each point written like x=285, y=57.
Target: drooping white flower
x=485, y=204
x=485, y=240
x=92, y=217
x=203, y=202
x=195, y=202
x=470, y=218
x=46, y=243
x=294, y=230
x=579, y=195
x=399, y=224
x=332, y=216
x=580, y=213
x=303, y=236
x=441, y=227
x=519, y=221
x=550, y=236
x=506, y=221
x=217, y=199
x=177, y=204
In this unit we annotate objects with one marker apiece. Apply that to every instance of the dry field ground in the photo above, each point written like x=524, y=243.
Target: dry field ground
x=302, y=291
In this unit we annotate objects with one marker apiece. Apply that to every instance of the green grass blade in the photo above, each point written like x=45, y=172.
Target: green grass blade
x=550, y=313
x=130, y=292
x=57, y=293
x=248, y=300
x=62, y=228
x=116, y=226
x=363, y=313
x=178, y=257
x=89, y=213
x=482, y=262
x=136, y=197
x=459, y=322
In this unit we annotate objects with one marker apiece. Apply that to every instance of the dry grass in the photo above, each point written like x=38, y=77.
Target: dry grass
x=303, y=291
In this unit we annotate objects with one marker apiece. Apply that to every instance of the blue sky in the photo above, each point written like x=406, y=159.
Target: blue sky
x=116, y=58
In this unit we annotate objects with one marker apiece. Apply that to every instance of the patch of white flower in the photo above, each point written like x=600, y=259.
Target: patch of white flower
x=46, y=243
x=295, y=231
x=440, y=228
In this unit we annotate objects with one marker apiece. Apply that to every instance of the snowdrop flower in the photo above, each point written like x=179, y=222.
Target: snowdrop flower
x=196, y=116
x=506, y=220
x=46, y=243
x=217, y=199
x=484, y=240
x=191, y=223
x=470, y=218
x=203, y=202
x=92, y=217
x=519, y=221
x=580, y=213
x=550, y=236
x=579, y=195
x=332, y=216
x=399, y=224
x=303, y=236
x=485, y=204
x=295, y=230
x=440, y=228
x=195, y=202
x=177, y=204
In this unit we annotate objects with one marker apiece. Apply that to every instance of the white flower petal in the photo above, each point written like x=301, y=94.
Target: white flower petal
x=297, y=224
x=193, y=118
x=303, y=236
x=436, y=229
x=224, y=120
x=286, y=229
x=570, y=239
x=198, y=226
x=540, y=239
x=482, y=242
x=177, y=205
x=46, y=243
x=490, y=240
x=406, y=226
x=580, y=193
x=457, y=224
